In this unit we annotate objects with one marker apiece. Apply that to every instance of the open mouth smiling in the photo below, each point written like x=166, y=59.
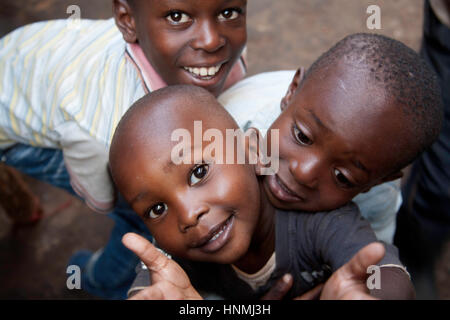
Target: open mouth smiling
x=204, y=73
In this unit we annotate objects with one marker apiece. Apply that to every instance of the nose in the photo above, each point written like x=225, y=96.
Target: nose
x=207, y=37
x=305, y=171
x=190, y=215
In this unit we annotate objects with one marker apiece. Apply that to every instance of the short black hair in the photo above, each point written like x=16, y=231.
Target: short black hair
x=402, y=74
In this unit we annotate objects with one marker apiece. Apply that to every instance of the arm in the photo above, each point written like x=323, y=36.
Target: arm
x=169, y=281
x=350, y=281
x=343, y=238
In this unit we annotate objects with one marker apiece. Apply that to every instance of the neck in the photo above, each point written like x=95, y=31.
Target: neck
x=262, y=245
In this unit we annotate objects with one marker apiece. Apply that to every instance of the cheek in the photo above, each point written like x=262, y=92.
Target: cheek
x=160, y=47
x=167, y=236
x=162, y=53
x=237, y=188
x=238, y=39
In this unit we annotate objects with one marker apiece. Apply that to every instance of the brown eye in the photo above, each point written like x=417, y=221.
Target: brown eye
x=228, y=14
x=198, y=174
x=177, y=17
x=301, y=137
x=157, y=210
x=342, y=179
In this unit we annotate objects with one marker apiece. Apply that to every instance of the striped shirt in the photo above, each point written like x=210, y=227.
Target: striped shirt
x=66, y=85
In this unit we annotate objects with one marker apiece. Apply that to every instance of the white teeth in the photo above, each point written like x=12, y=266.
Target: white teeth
x=204, y=71
x=216, y=236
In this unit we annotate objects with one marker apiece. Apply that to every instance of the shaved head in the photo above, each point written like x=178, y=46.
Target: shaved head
x=149, y=123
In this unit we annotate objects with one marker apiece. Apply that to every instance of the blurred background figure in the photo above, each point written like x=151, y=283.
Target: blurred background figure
x=423, y=222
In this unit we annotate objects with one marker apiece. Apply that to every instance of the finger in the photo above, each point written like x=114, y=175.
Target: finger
x=312, y=294
x=367, y=256
x=149, y=293
x=357, y=295
x=152, y=257
x=279, y=290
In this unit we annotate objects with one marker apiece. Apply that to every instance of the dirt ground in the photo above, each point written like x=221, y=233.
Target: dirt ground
x=282, y=34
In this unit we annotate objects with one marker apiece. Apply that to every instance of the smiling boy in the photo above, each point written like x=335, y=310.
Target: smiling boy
x=183, y=42
x=64, y=87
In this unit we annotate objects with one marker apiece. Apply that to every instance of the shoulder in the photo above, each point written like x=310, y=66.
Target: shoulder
x=327, y=229
x=317, y=227
x=68, y=27
x=266, y=83
x=255, y=101
x=347, y=214
x=52, y=46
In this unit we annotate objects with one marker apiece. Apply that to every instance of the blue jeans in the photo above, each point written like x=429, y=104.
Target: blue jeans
x=113, y=270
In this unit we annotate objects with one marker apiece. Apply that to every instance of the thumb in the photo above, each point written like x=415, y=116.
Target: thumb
x=279, y=290
x=152, y=257
x=367, y=256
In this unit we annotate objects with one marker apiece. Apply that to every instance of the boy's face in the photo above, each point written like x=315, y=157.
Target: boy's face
x=202, y=212
x=190, y=41
x=338, y=137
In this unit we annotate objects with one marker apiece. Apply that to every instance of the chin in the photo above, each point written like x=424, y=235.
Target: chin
x=232, y=254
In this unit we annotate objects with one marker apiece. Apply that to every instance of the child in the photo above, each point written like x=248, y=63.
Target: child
x=215, y=219
x=65, y=84
x=326, y=154
x=345, y=114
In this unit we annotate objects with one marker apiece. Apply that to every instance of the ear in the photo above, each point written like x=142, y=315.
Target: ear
x=391, y=177
x=125, y=21
x=295, y=83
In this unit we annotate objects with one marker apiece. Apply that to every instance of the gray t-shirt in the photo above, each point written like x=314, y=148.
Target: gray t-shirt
x=310, y=246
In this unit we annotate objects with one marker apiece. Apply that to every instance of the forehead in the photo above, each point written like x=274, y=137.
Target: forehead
x=156, y=134
x=346, y=97
x=192, y=4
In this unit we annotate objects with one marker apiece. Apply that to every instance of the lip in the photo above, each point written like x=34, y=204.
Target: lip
x=281, y=191
x=217, y=237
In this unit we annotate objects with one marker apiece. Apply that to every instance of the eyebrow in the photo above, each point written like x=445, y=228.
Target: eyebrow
x=359, y=165
x=317, y=120
x=166, y=169
x=139, y=197
x=168, y=166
